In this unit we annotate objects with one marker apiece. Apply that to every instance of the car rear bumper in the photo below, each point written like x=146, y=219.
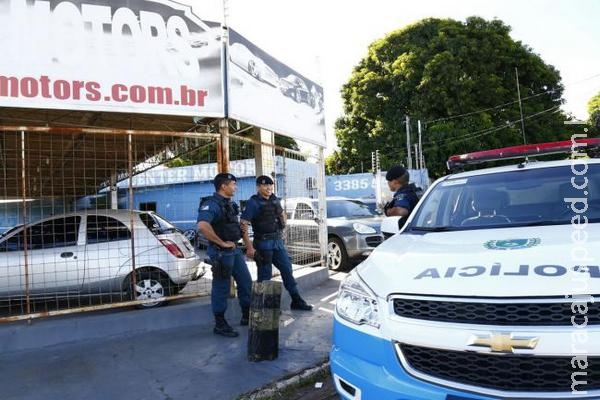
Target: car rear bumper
x=200, y=271
x=186, y=270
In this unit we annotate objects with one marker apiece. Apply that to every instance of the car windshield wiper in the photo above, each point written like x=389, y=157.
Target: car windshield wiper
x=545, y=222
x=432, y=229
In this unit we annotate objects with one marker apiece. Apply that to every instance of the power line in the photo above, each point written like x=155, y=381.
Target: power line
x=487, y=131
x=512, y=102
x=490, y=108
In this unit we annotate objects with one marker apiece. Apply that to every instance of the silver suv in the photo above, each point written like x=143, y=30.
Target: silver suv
x=353, y=229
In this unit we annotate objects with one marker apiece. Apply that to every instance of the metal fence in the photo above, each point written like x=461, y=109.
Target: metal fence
x=101, y=218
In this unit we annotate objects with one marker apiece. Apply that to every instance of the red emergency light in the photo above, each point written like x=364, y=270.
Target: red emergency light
x=522, y=151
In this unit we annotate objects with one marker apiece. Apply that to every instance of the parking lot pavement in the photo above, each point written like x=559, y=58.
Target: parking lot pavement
x=186, y=362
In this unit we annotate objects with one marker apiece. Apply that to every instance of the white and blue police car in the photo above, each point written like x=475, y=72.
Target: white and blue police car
x=490, y=291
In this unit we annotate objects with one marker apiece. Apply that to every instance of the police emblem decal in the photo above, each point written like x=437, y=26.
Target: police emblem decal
x=511, y=244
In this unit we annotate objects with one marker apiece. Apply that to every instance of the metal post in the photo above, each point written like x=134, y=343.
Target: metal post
x=24, y=220
x=322, y=206
x=223, y=150
x=408, y=152
x=420, y=152
x=376, y=177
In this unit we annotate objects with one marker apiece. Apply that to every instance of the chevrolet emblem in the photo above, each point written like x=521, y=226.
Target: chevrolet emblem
x=503, y=342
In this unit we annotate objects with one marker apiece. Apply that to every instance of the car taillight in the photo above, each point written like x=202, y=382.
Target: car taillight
x=172, y=247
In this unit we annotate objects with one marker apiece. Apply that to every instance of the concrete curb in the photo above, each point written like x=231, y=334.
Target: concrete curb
x=275, y=387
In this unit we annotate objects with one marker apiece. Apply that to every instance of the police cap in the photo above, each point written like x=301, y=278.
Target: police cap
x=223, y=178
x=264, y=180
x=396, y=172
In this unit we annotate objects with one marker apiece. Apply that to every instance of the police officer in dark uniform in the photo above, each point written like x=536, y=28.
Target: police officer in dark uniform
x=405, y=195
x=218, y=220
x=265, y=213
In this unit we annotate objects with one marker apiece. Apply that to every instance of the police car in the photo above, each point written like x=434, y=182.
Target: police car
x=490, y=291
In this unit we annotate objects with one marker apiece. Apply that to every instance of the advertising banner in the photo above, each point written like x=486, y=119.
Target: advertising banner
x=136, y=56
x=265, y=92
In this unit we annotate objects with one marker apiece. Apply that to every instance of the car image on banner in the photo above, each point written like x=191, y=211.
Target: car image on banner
x=294, y=87
x=253, y=65
x=205, y=46
x=289, y=104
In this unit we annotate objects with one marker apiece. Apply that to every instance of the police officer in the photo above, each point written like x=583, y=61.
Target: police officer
x=405, y=195
x=218, y=221
x=264, y=212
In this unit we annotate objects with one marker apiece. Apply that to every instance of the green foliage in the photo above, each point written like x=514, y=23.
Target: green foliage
x=459, y=79
x=594, y=112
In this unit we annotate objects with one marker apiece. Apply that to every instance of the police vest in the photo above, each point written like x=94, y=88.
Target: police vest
x=268, y=219
x=410, y=191
x=226, y=225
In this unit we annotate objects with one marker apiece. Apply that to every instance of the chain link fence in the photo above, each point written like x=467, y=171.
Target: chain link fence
x=94, y=218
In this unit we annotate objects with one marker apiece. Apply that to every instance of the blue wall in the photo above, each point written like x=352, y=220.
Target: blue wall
x=179, y=203
x=354, y=185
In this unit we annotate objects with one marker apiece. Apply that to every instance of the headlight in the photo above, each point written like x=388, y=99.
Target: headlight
x=356, y=304
x=362, y=228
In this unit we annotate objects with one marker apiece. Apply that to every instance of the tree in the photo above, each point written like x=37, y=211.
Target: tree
x=594, y=113
x=459, y=79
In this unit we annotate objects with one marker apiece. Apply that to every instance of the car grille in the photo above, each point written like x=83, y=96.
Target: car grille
x=374, y=241
x=508, y=372
x=533, y=312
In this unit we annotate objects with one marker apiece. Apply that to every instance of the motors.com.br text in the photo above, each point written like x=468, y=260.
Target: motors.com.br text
x=61, y=89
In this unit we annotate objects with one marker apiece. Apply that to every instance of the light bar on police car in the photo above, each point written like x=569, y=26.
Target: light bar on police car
x=505, y=153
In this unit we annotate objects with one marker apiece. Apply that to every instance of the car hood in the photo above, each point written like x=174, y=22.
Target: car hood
x=374, y=222
x=489, y=263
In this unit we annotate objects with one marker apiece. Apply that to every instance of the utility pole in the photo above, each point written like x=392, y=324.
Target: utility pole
x=417, y=158
x=420, y=152
x=408, y=151
x=520, y=107
x=376, y=176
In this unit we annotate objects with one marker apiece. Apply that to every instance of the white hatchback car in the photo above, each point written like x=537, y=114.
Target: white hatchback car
x=94, y=253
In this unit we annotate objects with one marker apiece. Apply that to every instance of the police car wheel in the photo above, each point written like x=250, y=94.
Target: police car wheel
x=337, y=257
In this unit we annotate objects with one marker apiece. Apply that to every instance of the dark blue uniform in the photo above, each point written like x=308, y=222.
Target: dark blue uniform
x=270, y=244
x=220, y=212
x=405, y=197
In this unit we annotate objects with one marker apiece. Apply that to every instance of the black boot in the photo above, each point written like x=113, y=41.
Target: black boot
x=245, y=316
x=222, y=327
x=298, y=303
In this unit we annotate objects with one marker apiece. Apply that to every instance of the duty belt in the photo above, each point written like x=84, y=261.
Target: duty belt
x=224, y=248
x=268, y=236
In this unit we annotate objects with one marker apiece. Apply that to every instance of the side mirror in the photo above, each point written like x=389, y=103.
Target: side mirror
x=391, y=225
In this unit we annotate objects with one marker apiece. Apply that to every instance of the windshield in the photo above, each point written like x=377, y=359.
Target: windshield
x=348, y=209
x=512, y=198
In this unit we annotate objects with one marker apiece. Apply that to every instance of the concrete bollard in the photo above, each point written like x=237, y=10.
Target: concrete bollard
x=263, y=331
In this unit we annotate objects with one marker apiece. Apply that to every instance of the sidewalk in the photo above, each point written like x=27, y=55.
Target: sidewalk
x=184, y=361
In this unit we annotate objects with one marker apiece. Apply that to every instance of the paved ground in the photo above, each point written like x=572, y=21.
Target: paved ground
x=185, y=361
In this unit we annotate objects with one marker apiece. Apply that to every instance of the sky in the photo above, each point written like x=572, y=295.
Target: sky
x=325, y=39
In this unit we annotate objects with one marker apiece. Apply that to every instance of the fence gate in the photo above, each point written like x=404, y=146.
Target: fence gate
x=74, y=239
